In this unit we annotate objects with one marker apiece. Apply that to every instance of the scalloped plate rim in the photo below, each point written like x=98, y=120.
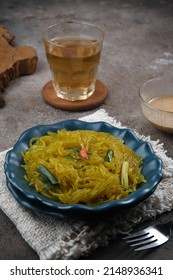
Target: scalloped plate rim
x=113, y=204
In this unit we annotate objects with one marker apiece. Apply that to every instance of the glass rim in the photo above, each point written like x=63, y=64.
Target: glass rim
x=44, y=32
x=142, y=91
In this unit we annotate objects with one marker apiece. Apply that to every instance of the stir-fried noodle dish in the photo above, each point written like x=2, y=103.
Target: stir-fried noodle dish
x=82, y=166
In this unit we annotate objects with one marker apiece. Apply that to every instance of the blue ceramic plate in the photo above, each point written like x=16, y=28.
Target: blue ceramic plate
x=34, y=205
x=152, y=167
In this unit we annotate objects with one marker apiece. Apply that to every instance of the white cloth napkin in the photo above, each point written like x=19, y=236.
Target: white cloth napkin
x=54, y=239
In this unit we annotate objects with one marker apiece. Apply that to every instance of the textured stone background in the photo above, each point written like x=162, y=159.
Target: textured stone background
x=138, y=46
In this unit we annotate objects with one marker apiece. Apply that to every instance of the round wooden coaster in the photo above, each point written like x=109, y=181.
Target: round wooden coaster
x=95, y=100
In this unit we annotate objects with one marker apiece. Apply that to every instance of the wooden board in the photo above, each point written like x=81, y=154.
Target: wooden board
x=14, y=61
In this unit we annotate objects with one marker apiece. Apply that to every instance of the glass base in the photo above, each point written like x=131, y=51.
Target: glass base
x=96, y=99
x=76, y=95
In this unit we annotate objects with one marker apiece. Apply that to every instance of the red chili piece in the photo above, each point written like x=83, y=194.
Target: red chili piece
x=83, y=153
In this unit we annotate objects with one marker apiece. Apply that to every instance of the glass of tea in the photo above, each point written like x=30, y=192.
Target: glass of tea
x=73, y=52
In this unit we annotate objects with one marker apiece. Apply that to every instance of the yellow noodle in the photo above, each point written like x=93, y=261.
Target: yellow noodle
x=91, y=180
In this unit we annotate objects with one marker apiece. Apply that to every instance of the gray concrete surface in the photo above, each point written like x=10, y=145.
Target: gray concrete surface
x=138, y=45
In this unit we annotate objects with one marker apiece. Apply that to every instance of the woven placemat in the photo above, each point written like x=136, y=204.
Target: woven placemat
x=53, y=239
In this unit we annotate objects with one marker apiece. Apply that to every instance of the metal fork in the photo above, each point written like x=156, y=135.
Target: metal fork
x=150, y=237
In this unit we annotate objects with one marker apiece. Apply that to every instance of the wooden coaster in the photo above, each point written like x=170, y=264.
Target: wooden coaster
x=95, y=100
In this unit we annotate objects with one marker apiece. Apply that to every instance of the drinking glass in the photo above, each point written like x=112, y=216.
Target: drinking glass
x=73, y=52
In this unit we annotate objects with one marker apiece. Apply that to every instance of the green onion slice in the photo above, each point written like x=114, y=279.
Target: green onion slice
x=33, y=141
x=109, y=155
x=124, y=174
x=47, y=177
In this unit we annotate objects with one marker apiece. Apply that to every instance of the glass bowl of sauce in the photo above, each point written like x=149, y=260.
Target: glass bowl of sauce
x=156, y=98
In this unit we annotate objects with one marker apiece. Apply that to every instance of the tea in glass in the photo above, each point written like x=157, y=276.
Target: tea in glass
x=73, y=53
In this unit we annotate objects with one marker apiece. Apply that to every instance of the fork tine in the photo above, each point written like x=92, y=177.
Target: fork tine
x=139, y=233
x=146, y=241
x=150, y=242
x=148, y=246
x=150, y=237
x=141, y=238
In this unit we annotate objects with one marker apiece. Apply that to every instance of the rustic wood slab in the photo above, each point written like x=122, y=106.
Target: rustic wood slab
x=14, y=61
